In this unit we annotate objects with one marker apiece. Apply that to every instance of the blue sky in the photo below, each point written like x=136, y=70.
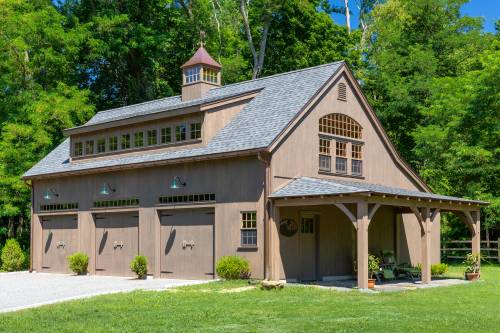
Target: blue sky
x=489, y=10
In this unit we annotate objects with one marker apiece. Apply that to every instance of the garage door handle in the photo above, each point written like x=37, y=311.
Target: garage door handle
x=186, y=243
x=118, y=244
x=60, y=244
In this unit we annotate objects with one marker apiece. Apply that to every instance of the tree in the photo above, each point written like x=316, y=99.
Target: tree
x=38, y=98
x=458, y=141
x=410, y=44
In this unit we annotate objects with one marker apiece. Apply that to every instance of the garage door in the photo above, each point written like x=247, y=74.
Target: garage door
x=117, y=243
x=60, y=239
x=187, y=244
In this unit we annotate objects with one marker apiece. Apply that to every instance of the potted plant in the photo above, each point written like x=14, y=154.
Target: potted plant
x=473, y=264
x=373, y=269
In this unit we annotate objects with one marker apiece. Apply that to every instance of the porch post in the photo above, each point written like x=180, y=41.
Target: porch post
x=362, y=243
x=426, y=245
x=274, y=244
x=476, y=232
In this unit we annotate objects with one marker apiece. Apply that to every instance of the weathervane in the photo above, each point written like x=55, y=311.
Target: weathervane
x=202, y=38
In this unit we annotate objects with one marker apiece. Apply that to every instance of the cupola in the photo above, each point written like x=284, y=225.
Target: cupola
x=199, y=74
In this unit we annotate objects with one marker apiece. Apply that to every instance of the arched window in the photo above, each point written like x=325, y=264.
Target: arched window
x=341, y=125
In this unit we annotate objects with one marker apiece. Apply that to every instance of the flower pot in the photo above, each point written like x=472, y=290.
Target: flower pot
x=472, y=276
x=371, y=283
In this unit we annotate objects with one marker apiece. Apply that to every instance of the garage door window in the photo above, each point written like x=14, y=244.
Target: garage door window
x=248, y=229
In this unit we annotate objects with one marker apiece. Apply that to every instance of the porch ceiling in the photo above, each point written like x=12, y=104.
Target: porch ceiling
x=314, y=187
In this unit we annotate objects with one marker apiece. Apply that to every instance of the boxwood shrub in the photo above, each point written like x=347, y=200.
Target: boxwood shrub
x=233, y=267
x=439, y=269
x=78, y=262
x=139, y=266
x=12, y=256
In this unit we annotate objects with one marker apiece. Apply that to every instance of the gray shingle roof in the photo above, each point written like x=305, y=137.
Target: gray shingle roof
x=306, y=186
x=256, y=126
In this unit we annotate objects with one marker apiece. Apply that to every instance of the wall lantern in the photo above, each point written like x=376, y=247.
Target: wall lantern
x=177, y=183
x=106, y=189
x=49, y=194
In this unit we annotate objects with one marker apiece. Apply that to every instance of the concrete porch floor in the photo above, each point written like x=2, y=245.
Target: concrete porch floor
x=388, y=286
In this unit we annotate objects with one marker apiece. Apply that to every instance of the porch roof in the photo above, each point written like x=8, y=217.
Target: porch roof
x=313, y=187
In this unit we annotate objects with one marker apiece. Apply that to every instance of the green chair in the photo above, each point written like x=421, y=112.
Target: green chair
x=389, y=261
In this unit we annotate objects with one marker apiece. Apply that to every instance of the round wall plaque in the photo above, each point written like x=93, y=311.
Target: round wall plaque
x=288, y=227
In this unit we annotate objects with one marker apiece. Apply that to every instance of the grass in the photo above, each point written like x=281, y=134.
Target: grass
x=473, y=307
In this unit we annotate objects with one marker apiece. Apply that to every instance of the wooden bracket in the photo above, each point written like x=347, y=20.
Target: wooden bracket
x=347, y=212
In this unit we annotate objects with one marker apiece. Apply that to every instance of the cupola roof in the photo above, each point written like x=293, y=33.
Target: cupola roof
x=201, y=57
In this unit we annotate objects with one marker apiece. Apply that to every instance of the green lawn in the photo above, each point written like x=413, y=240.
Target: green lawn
x=472, y=307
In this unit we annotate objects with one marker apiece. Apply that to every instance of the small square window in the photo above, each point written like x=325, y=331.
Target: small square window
x=101, y=145
x=180, y=133
x=125, y=142
x=138, y=139
x=113, y=143
x=195, y=129
x=78, y=149
x=89, y=147
x=152, y=137
x=166, y=135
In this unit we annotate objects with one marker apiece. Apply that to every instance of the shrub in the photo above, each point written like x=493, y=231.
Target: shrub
x=439, y=269
x=139, y=266
x=233, y=267
x=12, y=256
x=78, y=262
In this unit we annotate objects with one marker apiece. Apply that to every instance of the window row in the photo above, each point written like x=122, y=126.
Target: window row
x=340, y=154
x=60, y=206
x=138, y=139
x=195, y=74
x=187, y=198
x=116, y=203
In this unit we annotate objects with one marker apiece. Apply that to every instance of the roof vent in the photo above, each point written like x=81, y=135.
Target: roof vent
x=342, y=92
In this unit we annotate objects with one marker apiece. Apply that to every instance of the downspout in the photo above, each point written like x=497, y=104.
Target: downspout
x=266, y=160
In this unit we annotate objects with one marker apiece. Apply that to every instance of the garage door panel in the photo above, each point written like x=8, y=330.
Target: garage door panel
x=187, y=244
x=117, y=243
x=60, y=240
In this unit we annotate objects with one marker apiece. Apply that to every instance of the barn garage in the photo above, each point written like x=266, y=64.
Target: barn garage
x=116, y=242
x=59, y=240
x=187, y=244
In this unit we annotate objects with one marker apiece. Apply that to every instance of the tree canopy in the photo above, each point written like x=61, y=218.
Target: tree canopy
x=431, y=74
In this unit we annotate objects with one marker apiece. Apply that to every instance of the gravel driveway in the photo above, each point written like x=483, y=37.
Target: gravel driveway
x=22, y=290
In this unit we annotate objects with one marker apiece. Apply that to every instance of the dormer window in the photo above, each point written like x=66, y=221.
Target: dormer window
x=180, y=133
x=343, y=133
x=101, y=145
x=152, y=140
x=195, y=130
x=192, y=74
x=89, y=147
x=138, y=139
x=125, y=142
x=78, y=149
